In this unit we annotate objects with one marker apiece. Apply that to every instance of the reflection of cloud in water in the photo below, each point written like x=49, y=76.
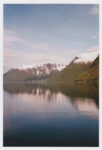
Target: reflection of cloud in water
x=86, y=106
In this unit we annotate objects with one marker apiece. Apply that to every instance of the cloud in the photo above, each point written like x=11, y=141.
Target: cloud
x=10, y=37
x=94, y=10
x=92, y=49
x=14, y=59
x=95, y=36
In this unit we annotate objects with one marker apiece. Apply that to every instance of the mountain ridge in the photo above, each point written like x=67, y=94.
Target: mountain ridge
x=76, y=67
x=34, y=73
x=53, y=72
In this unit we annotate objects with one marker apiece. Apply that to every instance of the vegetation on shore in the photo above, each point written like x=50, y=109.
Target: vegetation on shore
x=92, y=73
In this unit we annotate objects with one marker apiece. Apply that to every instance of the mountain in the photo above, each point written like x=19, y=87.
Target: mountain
x=81, y=68
x=29, y=73
x=91, y=74
x=77, y=66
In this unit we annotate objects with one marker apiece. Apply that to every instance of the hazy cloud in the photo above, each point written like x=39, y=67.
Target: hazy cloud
x=92, y=49
x=95, y=36
x=94, y=10
x=13, y=59
x=10, y=37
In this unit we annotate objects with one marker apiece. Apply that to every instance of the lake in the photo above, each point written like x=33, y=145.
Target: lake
x=51, y=114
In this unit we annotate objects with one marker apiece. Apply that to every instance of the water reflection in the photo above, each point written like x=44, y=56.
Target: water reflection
x=52, y=108
x=88, y=106
x=55, y=91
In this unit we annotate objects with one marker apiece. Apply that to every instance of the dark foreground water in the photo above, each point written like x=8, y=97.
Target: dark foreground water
x=50, y=115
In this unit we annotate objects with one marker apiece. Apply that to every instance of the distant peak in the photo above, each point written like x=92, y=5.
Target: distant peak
x=53, y=66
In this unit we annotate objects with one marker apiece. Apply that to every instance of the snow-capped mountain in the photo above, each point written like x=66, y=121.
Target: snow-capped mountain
x=86, y=57
x=76, y=67
x=42, y=68
x=33, y=72
x=53, y=71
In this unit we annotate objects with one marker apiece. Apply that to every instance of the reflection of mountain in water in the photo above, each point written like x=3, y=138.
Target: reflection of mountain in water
x=69, y=90
x=44, y=111
x=75, y=92
x=88, y=106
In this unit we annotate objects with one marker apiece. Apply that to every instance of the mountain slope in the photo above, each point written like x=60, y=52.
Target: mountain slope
x=29, y=73
x=92, y=73
x=70, y=73
x=78, y=65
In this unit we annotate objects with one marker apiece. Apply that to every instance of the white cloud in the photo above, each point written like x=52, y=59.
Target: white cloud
x=94, y=10
x=10, y=37
x=92, y=49
x=95, y=36
x=13, y=59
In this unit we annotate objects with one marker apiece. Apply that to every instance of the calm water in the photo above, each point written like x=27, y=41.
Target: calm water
x=50, y=115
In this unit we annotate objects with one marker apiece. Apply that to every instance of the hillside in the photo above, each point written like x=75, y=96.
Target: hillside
x=91, y=74
x=78, y=65
x=70, y=73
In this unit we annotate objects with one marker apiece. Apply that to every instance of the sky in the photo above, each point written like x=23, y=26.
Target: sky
x=48, y=33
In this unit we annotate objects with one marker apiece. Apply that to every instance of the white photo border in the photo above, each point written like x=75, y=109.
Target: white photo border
x=2, y=2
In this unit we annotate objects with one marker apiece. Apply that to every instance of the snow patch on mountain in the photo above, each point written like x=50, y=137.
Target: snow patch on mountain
x=86, y=57
x=41, y=67
x=60, y=67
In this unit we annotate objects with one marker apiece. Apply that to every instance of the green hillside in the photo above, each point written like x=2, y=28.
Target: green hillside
x=92, y=73
x=70, y=73
x=17, y=75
